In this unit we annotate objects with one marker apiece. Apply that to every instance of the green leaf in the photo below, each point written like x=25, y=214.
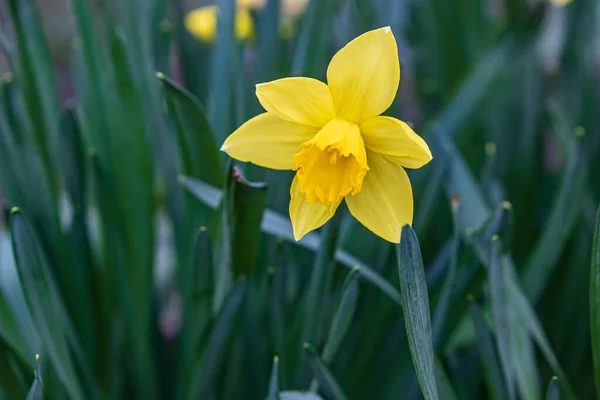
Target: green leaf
x=237, y=231
x=565, y=210
x=343, y=316
x=217, y=343
x=274, y=382
x=444, y=385
x=552, y=393
x=528, y=320
x=35, y=77
x=415, y=304
x=323, y=374
x=198, y=151
x=279, y=226
x=595, y=302
x=36, y=390
x=11, y=374
x=487, y=353
x=43, y=302
x=500, y=315
x=318, y=286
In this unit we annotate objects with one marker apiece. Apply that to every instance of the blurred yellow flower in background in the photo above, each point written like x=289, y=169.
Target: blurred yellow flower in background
x=333, y=136
x=561, y=2
x=202, y=22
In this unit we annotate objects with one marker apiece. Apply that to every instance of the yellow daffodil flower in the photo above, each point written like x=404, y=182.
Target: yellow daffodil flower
x=202, y=22
x=333, y=136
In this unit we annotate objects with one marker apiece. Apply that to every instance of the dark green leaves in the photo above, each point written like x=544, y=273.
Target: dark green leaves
x=415, y=304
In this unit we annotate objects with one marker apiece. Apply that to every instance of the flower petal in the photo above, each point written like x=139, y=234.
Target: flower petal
x=395, y=140
x=385, y=203
x=307, y=216
x=244, y=24
x=202, y=23
x=268, y=141
x=305, y=101
x=364, y=75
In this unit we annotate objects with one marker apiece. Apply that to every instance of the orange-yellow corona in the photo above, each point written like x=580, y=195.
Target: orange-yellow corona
x=333, y=136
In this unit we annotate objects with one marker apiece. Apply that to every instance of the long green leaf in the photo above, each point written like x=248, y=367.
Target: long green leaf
x=488, y=355
x=415, y=304
x=43, y=302
x=343, y=316
x=217, y=343
x=500, y=315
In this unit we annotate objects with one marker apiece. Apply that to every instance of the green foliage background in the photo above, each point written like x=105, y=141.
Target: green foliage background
x=139, y=262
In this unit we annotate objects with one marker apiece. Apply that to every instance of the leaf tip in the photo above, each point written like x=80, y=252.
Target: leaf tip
x=160, y=75
x=579, y=131
x=507, y=205
x=181, y=179
x=495, y=238
x=15, y=210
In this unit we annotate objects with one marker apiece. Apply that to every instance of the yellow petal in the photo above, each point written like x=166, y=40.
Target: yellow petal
x=364, y=76
x=307, y=216
x=202, y=23
x=268, y=141
x=244, y=24
x=305, y=101
x=395, y=140
x=385, y=203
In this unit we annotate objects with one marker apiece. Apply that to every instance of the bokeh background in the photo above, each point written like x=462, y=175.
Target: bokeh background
x=137, y=263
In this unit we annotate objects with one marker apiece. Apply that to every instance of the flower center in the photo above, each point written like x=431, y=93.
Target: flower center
x=332, y=164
